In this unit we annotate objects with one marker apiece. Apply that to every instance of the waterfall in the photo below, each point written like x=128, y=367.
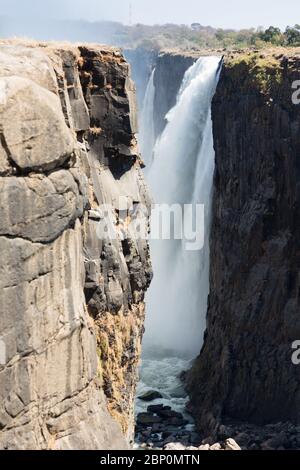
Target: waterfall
x=182, y=172
x=146, y=136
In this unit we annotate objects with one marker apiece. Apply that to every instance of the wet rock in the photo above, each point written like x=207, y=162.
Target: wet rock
x=254, y=446
x=277, y=441
x=150, y=395
x=185, y=439
x=177, y=422
x=167, y=413
x=170, y=439
x=270, y=444
x=224, y=432
x=170, y=431
x=157, y=427
x=156, y=408
x=147, y=418
x=209, y=440
x=195, y=438
x=243, y=439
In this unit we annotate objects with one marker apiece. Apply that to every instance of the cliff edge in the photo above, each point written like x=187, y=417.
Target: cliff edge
x=71, y=302
x=245, y=370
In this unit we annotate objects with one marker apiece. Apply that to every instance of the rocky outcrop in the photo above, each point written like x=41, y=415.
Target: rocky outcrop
x=245, y=371
x=71, y=299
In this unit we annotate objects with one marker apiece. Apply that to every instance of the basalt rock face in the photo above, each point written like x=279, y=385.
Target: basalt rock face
x=71, y=299
x=170, y=68
x=245, y=371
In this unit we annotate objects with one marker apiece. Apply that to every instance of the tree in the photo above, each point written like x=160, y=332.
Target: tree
x=293, y=35
x=272, y=35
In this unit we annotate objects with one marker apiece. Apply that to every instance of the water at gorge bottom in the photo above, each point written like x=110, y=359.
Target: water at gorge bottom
x=162, y=374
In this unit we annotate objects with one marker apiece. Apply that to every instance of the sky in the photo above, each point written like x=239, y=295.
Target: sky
x=218, y=13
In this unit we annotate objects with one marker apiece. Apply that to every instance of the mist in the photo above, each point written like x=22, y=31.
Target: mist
x=51, y=19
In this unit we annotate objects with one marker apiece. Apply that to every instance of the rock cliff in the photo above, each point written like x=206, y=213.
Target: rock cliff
x=71, y=301
x=245, y=371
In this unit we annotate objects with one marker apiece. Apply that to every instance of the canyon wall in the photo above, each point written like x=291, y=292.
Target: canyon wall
x=245, y=371
x=170, y=68
x=71, y=300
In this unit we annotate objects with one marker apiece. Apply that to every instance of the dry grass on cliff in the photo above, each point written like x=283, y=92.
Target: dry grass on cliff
x=29, y=42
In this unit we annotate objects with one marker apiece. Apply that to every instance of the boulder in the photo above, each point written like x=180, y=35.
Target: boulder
x=147, y=419
x=168, y=414
x=155, y=408
x=230, y=444
x=150, y=395
x=33, y=126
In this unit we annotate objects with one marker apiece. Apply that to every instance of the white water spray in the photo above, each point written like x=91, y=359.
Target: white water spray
x=182, y=172
x=147, y=134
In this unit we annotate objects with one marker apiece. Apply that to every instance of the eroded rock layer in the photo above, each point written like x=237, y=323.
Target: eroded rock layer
x=71, y=301
x=245, y=371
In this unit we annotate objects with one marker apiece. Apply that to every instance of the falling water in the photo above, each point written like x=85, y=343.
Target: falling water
x=147, y=137
x=181, y=172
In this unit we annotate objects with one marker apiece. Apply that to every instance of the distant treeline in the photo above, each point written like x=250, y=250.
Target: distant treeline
x=196, y=35
x=149, y=37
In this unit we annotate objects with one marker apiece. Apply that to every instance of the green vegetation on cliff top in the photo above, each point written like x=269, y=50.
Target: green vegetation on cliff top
x=261, y=70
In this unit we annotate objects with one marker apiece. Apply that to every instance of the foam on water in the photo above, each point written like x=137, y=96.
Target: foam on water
x=162, y=374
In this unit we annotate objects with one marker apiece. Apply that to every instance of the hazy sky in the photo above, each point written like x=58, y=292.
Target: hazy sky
x=219, y=13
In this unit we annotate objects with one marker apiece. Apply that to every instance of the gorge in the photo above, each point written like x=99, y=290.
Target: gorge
x=175, y=320
x=72, y=312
